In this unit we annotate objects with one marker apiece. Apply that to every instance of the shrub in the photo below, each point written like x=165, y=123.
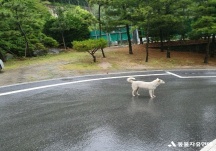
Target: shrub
x=91, y=46
x=50, y=42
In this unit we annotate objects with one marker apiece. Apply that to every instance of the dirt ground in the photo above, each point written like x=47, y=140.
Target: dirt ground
x=117, y=60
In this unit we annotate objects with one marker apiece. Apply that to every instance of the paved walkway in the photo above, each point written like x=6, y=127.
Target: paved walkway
x=210, y=147
x=97, y=112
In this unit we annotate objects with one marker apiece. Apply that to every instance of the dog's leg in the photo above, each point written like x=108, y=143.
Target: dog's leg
x=137, y=91
x=133, y=92
x=134, y=89
x=151, y=93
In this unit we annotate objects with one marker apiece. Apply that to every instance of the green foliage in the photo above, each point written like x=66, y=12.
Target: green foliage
x=21, y=26
x=120, y=12
x=204, y=23
x=71, y=24
x=89, y=44
x=49, y=42
x=73, y=2
x=27, y=25
x=39, y=46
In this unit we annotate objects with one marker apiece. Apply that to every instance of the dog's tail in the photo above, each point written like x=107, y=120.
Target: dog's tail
x=130, y=79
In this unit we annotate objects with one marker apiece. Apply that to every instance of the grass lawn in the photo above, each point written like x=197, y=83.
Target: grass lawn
x=71, y=63
x=117, y=58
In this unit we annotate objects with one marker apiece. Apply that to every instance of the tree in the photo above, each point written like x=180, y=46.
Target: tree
x=21, y=26
x=91, y=46
x=160, y=19
x=204, y=23
x=184, y=13
x=70, y=24
x=119, y=13
x=168, y=21
x=142, y=17
x=73, y=2
x=100, y=3
x=61, y=24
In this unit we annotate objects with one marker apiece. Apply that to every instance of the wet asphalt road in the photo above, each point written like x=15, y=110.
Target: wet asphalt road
x=98, y=113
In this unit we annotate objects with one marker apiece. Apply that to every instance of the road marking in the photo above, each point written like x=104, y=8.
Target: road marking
x=89, y=80
x=210, y=147
x=174, y=74
x=82, y=76
x=186, y=70
x=74, y=82
x=189, y=77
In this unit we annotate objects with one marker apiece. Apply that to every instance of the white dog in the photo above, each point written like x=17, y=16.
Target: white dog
x=151, y=86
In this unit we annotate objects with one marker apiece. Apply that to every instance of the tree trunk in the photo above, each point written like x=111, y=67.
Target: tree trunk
x=168, y=52
x=2, y=57
x=161, y=40
x=141, y=41
x=103, y=53
x=207, y=51
x=100, y=29
x=213, y=46
x=63, y=40
x=147, y=52
x=27, y=53
x=129, y=39
x=140, y=36
x=94, y=58
x=168, y=49
x=99, y=20
x=147, y=40
x=92, y=52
